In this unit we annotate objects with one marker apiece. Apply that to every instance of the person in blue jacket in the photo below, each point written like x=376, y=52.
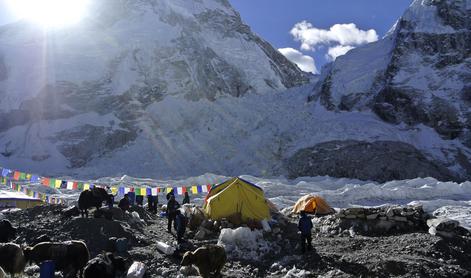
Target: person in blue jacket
x=180, y=225
x=305, y=227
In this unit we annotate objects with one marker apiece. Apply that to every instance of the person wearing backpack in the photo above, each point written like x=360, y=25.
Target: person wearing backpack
x=305, y=227
x=180, y=225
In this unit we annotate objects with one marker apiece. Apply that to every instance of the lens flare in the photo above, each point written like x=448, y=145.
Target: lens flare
x=50, y=13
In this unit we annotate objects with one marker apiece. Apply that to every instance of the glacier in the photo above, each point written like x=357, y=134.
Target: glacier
x=444, y=199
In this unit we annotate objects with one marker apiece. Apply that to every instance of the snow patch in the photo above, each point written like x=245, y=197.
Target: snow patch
x=244, y=243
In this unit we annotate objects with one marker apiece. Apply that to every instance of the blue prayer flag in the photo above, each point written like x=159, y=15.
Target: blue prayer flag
x=6, y=172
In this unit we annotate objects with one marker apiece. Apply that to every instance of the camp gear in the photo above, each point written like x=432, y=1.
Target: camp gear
x=313, y=204
x=237, y=197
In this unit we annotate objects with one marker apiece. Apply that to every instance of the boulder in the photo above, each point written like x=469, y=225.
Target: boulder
x=443, y=227
x=443, y=224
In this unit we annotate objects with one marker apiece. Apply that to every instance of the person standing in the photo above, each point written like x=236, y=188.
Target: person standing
x=172, y=207
x=152, y=203
x=124, y=203
x=186, y=199
x=139, y=200
x=171, y=193
x=180, y=225
x=155, y=202
x=305, y=227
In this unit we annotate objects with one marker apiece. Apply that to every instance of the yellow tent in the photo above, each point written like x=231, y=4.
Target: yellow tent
x=9, y=199
x=236, y=198
x=312, y=204
x=21, y=203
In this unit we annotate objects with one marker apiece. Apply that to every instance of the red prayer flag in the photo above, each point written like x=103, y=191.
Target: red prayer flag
x=45, y=182
x=16, y=176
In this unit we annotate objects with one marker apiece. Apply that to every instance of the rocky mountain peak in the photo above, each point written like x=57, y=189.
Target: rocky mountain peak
x=419, y=74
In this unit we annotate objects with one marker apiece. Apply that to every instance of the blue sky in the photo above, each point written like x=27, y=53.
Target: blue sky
x=275, y=19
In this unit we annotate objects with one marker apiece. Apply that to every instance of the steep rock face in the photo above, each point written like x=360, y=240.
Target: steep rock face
x=420, y=73
x=378, y=161
x=95, y=81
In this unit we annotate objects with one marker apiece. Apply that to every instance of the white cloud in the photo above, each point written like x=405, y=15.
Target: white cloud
x=337, y=51
x=304, y=62
x=342, y=34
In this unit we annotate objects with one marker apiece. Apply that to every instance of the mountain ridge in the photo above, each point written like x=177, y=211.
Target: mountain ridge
x=129, y=122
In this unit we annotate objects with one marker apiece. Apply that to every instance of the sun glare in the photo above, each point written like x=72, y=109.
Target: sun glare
x=50, y=13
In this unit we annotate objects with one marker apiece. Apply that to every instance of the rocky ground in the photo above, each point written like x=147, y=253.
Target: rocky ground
x=415, y=254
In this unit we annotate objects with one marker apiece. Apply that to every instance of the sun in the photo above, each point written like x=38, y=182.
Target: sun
x=50, y=13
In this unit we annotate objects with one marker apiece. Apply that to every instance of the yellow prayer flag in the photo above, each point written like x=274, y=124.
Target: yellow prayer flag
x=86, y=186
x=114, y=190
x=169, y=189
x=194, y=190
x=58, y=184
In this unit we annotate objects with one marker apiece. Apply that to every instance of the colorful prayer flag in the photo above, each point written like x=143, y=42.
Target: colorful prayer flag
x=5, y=172
x=45, y=181
x=70, y=185
x=58, y=184
x=16, y=175
x=34, y=178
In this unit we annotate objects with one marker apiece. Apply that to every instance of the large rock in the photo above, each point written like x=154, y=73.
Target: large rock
x=379, y=161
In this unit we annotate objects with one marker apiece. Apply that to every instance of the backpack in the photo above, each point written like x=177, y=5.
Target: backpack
x=305, y=225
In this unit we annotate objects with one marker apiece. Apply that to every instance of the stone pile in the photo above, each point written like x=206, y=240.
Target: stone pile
x=279, y=227
x=374, y=221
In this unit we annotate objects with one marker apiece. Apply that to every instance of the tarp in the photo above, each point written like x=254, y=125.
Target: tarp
x=313, y=204
x=237, y=198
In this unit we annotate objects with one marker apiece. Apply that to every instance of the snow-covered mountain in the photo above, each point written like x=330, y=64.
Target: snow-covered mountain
x=418, y=75
x=68, y=96
x=172, y=88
